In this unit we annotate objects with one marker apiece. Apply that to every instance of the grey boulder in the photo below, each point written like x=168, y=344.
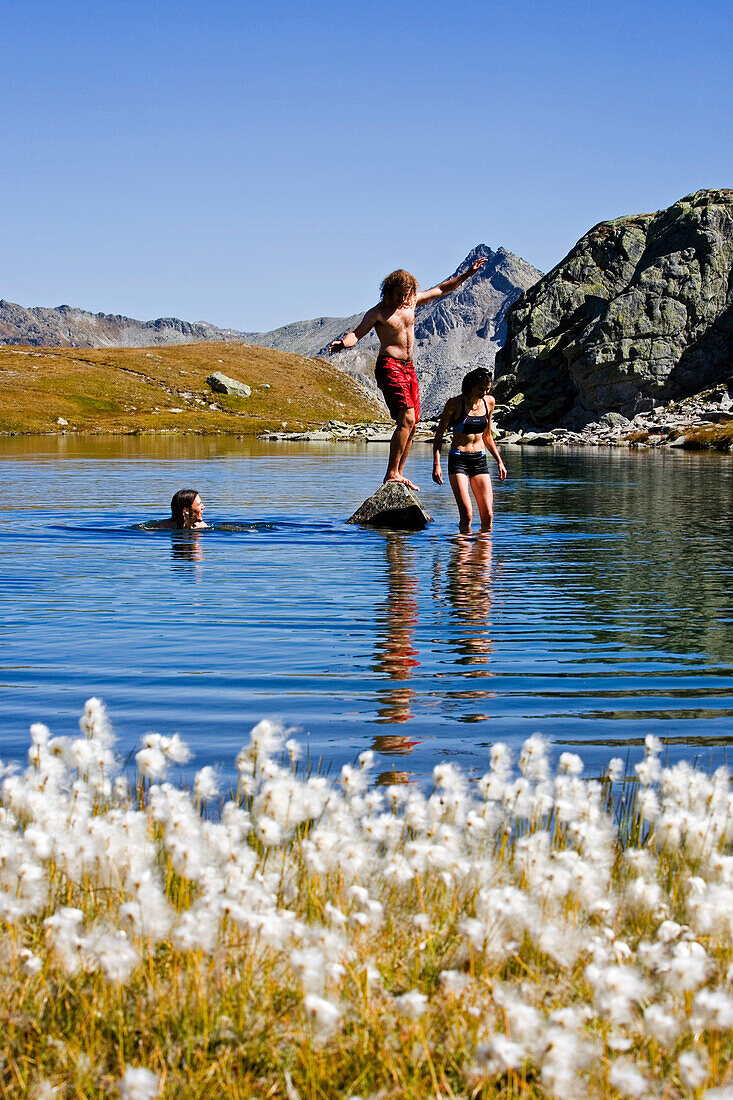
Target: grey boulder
x=221, y=383
x=393, y=505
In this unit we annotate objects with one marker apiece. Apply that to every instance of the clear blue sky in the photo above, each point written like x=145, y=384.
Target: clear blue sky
x=256, y=163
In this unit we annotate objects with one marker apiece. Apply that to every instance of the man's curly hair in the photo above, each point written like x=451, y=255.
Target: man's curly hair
x=398, y=286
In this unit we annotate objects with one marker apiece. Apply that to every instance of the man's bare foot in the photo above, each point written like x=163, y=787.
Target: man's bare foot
x=402, y=480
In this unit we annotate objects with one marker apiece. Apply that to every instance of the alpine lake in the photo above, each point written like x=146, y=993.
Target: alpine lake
x=600, y=609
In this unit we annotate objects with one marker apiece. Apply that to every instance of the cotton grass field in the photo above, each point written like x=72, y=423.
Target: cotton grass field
x=529, y=935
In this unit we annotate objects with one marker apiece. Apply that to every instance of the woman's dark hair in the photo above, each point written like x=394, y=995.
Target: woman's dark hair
x=183, y=499
x=480, y=377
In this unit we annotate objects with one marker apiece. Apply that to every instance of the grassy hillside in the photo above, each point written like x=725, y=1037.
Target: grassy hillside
x=164, y=388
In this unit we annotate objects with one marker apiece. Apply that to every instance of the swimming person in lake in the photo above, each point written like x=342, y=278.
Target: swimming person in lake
x=187, y=513
x=469, y=416
x=393, y=319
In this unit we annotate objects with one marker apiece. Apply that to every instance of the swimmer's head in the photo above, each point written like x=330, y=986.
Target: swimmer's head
x=186, y=508
x=476, y=381
x=398, y=287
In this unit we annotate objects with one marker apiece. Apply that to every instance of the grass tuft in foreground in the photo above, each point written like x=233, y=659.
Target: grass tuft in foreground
x=532, y=934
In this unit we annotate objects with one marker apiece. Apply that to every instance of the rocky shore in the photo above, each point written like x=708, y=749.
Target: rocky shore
x=704, y=421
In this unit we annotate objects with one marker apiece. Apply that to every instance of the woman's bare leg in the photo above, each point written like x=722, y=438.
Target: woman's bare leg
x=484, y=493
x=459, y=485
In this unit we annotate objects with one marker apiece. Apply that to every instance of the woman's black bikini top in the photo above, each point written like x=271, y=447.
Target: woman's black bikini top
x=471, y=425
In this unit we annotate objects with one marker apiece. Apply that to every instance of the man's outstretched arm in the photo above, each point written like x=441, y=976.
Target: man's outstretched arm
x=353, y=337
x=449, y=285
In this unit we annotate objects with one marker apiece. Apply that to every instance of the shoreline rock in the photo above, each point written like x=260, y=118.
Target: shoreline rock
x=673, y=425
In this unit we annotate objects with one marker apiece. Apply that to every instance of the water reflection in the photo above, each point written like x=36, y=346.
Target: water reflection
x=469, y=592
x=603, y=613
x=396, y=656
x=187, y=553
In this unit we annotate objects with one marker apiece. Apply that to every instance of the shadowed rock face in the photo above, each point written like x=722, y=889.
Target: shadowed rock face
x=450, y=334
x=639, y=313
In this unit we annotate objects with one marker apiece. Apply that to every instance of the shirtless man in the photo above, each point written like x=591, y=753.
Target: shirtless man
x=393, y=319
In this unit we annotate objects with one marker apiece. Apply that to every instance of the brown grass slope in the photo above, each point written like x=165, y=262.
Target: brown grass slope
x=125, y=390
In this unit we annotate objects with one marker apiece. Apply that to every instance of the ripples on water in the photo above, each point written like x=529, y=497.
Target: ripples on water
x=599, y=610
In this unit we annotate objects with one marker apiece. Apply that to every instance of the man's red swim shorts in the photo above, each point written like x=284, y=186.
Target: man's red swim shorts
x=397, y=380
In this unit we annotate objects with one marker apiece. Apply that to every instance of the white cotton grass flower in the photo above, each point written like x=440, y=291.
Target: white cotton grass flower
x=151, y=763
x=454, y=982
x=616, y=769
x=293, y=749
x=323, y=1015
x=693, y=1067
x=533, y=760
x=175, y=749
x=46, y=1090
x=713, y=1009
x=94, y=723
x=688, y=968
x=138, y=1084
x=627, y=1079
x=31, y=964
x=495, y=1056
x=661, y=1025
x=411, y=1005
x=206, y=784
x=570, y=764
x=266, y=738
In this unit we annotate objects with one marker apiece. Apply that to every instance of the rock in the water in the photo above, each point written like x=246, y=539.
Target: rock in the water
x=640, y=312
x=221, y=383
x=393, y=505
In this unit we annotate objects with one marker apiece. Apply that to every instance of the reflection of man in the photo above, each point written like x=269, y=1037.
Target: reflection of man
x=396, y=656
x=394, y=744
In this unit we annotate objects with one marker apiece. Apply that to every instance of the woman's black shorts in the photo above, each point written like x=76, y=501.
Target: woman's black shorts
x=469, y=463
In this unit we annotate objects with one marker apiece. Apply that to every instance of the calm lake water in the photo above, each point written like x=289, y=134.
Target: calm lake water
x=600, y=610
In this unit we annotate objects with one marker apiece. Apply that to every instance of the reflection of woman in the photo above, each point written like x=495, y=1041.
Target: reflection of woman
x=187, y=513
x=469, y=416
x=469, y=591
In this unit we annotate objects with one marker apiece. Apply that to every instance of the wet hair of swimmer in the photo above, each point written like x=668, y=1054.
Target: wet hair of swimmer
x=478, y=379
x=181, y=500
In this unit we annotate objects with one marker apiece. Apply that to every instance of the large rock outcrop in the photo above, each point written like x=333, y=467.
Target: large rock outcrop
x=639, y=313
x=464, y=328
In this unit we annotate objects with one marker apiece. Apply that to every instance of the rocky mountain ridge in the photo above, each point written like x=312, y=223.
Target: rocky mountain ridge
x=639, y=314
x=68, y=327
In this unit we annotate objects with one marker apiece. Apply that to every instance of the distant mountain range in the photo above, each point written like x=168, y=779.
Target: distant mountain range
x=67, y=327
x=451, y=334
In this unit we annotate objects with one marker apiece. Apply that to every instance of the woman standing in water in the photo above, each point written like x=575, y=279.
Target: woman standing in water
x=469, y=417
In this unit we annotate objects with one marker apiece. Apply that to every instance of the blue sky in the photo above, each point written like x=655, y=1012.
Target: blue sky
x=252, y=164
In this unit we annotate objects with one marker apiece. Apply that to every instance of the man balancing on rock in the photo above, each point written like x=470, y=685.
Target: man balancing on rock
x=393, y=319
